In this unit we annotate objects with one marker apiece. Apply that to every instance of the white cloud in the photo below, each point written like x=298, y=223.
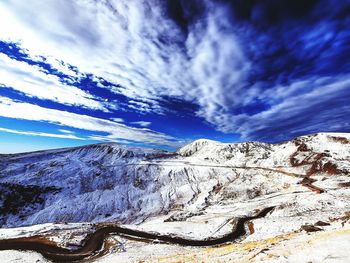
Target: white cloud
x=298, y=112
x=66, y=131
x=61, y=67
x=132, y=43
x=42, y=134
x=25, y=111
x=117, y=120
x=29, y=80
x=142, y=123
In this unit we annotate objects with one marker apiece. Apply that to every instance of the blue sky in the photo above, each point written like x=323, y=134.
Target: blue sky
x=164, y=73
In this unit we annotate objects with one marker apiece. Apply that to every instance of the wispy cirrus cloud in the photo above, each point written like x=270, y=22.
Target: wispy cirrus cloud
x=142, y=123
x=319, y=109
x=42, y=134
x=31, y=81
x=120, y=120
x=137, y=46
x=241, y=62
x=112, y=130
x=66, y=131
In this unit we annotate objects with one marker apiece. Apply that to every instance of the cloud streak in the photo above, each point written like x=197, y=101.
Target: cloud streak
x=29, y=80
x=42, y=134
x=321, y=109
x=25, y=111
x=142, y=123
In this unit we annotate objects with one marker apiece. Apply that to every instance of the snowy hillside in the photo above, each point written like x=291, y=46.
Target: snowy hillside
x=197, y=192
x=90, y=183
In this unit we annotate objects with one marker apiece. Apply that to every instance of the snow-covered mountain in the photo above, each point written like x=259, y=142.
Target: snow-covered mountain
x=90, y=183
x=323, y=151
x=196, y=192
x=105, y=182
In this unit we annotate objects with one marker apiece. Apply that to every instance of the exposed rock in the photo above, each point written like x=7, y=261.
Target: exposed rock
x=310, y=228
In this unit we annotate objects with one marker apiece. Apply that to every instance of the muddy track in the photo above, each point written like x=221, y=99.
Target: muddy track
x=94, y=242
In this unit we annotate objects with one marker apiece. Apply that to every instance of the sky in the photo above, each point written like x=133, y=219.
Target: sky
x=162, y=73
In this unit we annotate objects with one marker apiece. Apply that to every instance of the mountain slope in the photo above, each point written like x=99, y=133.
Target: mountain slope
x=196, y=193
x=198, y=190
x=79, y=184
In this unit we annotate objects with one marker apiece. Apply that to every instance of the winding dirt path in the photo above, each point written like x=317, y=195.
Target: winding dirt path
x=94, y=242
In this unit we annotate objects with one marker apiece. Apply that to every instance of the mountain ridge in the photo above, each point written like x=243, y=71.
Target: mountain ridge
x=113, y=182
